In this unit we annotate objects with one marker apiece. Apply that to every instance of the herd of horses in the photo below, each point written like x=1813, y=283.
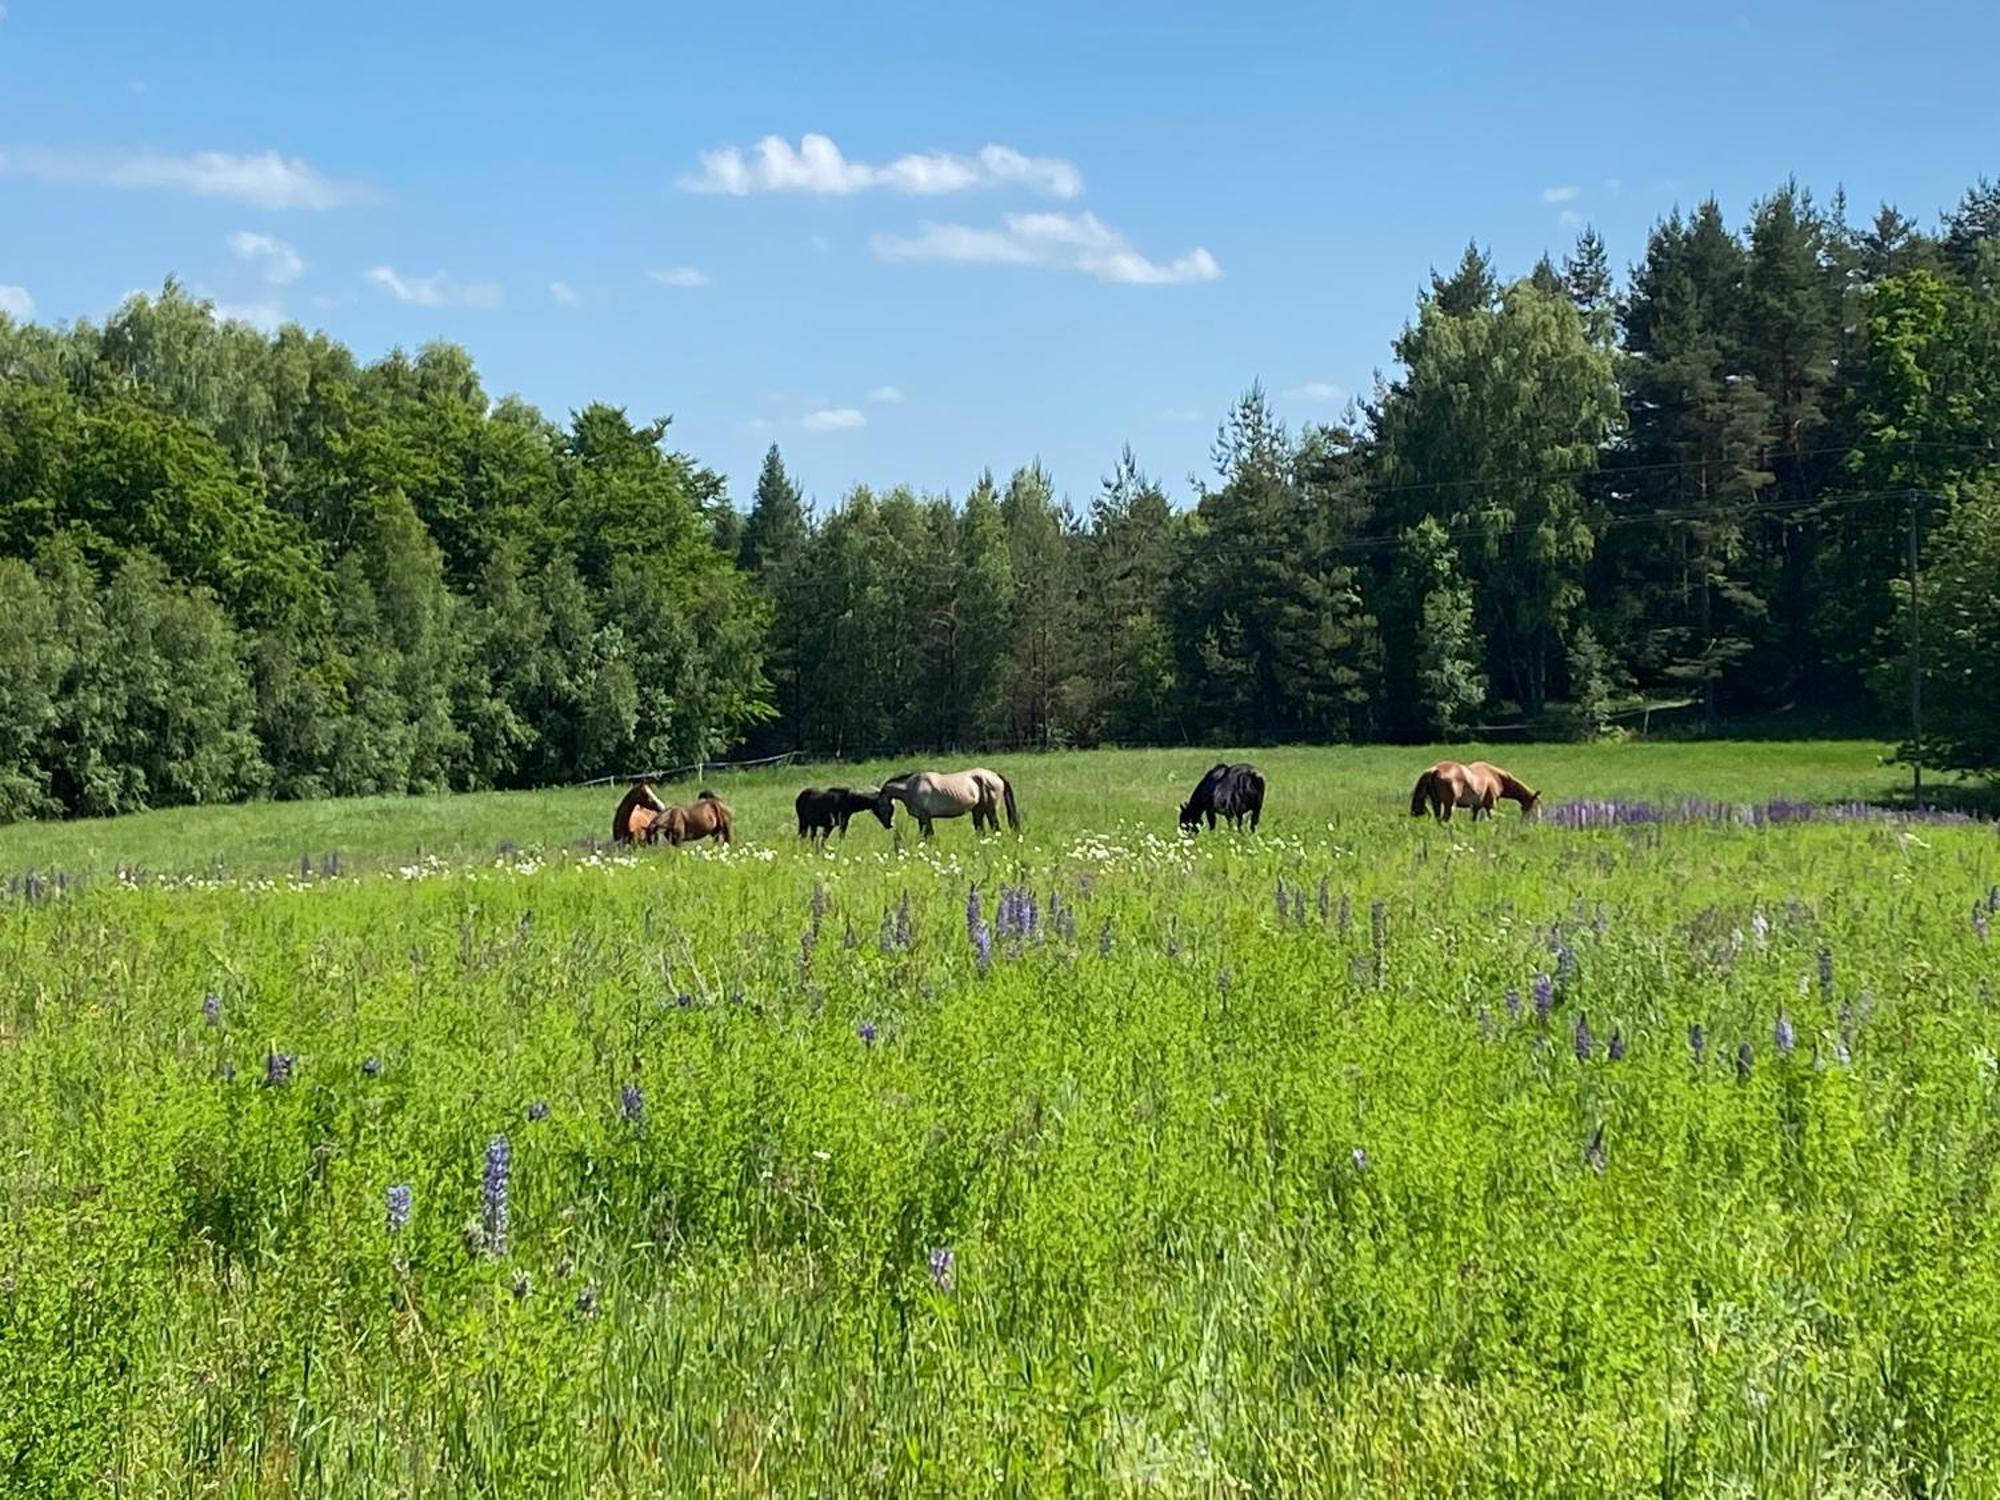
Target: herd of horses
x=1232, y=793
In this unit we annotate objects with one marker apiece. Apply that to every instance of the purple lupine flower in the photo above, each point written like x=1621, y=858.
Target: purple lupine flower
x=1284, y=900
x=820, y=903
x=1743, y=1060
x=1617, y=1049
x=1513, y=1004
x=1222, y=980
x=1782, y=1036
x=1993, y=900
x=1544, y=991
x=972, y=920
x=903, y=922
x=1104, y=939
x=885, y=943
x=1841, y=1054
x=808, y=940
x=1698, y=1042
x=1760, y=926
x=1826, y=972
x=1299, y=905
x=866, y=1031
x=847, y=938
x=1582, y=1039
x=523, y=1286
x=1485, y=1019
x=538, y=1110
x=1565, y=975
x=371, y=1067
x=1031, y=913
x=1980, y=929
x=493, y=1194
x=632, y=1102
x=211, y=1008
x=944, y=1269
x=1346, y=918
x=982, y=946
x=278, y=1069
x=398, y=1199
x=1359, y=1158
x=1325, y=899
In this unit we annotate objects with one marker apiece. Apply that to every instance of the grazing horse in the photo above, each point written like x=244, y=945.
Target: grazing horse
x=951, y=794
x=822, y=809
x=636, y=814
x=1478, y=786
x=707, y=817
x=1233, y=792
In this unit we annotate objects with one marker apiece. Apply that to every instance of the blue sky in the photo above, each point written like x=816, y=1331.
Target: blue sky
x=1180, y=200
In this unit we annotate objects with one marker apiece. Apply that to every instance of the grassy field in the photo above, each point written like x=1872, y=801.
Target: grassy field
x=1362, y=1157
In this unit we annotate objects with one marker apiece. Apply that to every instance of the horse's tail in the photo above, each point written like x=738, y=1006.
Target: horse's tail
x=1007, y=794
x=1420, y=797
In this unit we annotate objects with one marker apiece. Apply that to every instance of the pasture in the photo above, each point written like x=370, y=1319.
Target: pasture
x=1610, y=1153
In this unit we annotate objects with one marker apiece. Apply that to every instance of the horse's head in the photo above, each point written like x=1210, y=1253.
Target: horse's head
x=884, y=810
x=1530, y=800
x=643, y=790
x=1190, y=819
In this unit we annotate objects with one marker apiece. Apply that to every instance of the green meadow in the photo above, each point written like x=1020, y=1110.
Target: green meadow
x=1363, y=1156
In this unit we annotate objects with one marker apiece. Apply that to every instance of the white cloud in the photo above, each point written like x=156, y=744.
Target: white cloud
x=1569, y=218
x=434, y=290
x=263, y=178
x=280, y=263
x=1562, y=193
x=265, y=317
x=816, y=165
x=833, y=419
x=1318, y=390
x=886, y=395
x=16, y=303
x=678, y=276
x=1068, y=242
x=564, y=293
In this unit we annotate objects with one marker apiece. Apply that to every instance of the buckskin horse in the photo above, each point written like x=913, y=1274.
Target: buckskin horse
x=1233, y=792
x=930, y=795
x=1478, y=786
x=823, y=809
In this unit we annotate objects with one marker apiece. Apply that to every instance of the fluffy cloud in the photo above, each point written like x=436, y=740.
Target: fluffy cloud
x=263, y=178
x=886, y=395
x=833, y=419
x=1318, y=390
x=434, y=290
x=677, y=276
x=1561, y=193
x=265, y=317
x=16, y=303
x=1068, y=242
x=278, y=262
x=564, y=293
x=816, y=165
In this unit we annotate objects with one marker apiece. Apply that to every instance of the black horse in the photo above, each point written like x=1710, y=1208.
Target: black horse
x=1233, y=792
x=822, y=809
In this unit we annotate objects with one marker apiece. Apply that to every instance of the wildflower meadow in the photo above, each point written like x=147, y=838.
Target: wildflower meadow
x=1647, y=1146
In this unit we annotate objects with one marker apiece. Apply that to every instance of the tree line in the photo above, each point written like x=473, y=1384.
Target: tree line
x=234, y=564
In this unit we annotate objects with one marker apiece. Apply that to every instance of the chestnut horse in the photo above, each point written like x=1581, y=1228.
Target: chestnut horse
x=636, y=814
x=1478, y=786
x=707, y=817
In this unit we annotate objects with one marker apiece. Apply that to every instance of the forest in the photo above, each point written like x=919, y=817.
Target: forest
x=240, y=565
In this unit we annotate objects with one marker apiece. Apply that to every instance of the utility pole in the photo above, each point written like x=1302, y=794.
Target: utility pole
x=1916, y=656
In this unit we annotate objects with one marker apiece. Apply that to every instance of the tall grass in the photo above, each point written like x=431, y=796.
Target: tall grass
x=1172, y=1194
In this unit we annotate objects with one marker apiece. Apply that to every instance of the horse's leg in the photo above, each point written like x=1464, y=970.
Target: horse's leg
x=925, y=824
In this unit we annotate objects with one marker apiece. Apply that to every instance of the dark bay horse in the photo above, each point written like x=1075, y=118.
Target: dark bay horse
x=823, y=809
x=1478, y=786
x=1233, y=792
x=707, y=817
x=636, y=814
x=930, y=795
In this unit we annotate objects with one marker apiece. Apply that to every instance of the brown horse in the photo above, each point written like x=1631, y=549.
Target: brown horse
x=637, y=814
x=1478, y=786
x=707, y=817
